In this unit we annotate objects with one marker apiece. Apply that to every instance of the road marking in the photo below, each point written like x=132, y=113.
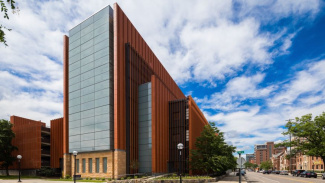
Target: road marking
x=293, y=179
x=271, y=179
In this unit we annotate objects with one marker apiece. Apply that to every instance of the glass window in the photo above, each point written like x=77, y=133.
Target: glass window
x=87, y=22
x=74, y=66
x=88, y=82
x=100, y=29
x=74, y=80
x=102, y=93
x=86, y=38
x=104, y=165
x=90, y=165
x=74, y=44
x=87, y=90
x=102, y=102
x=74, y=58
x=87, y=60
x=102, y=110
x=87, y=143
x=101, y=45
x=102, y=85
x=74, y=73
x=87, y=67
x=74, y=124
x=75, y=138
x=87, y=105
x=101, y=61
x=74, y=38
x=102, y=69
x=74, y=131
x=83, y=165
x=87, y=121
x=100, y=22
x=101, y=53
x=75, y=116
x=101, y=126
x=74, y=51
x=87, y=75
x=88, y=136
x=102, y=134
x=86, y=30
x=87, y=114
x=74, y=30
x=87, y=129
x=102, y=142
x=87, y=98
x=86, y=52
x=87, y=44
x=77, y=165
x=97, y=165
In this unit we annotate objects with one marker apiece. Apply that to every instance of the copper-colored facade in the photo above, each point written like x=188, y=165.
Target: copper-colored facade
x=56, y=143
x=134, y=65
x=28, y=139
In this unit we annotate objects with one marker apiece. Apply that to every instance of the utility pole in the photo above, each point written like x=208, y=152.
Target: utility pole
x=290, y=165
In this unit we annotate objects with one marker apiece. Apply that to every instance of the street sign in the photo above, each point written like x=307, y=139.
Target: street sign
x=240, y=152
x=240, y=162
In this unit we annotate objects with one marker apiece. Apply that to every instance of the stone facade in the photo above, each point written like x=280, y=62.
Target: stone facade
x=66, y=164
x=119, y=163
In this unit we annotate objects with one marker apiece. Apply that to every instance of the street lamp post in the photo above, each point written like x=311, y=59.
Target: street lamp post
x=75, y=153
x=180, y=147
x=19, y=158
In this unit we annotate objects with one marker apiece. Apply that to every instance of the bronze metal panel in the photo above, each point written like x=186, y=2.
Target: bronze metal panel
x=65, y=94
x=56, y=142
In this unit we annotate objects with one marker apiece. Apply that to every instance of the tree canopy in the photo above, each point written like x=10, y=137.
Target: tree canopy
x=212, y=154
x=6, y=148
x=266, y=165
x=250, y=165
x=4, y=9
x=308, y=136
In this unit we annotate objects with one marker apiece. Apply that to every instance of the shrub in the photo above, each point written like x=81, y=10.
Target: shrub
x=87, y=178
x=103, y=179
x=46, y=171
x=135, y=177
x=122, y=178
x=67, y=176
x=109, y=179
x=97, y=178
x=90, y=178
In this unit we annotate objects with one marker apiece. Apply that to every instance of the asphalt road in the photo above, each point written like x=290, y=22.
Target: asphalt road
x=253, y=177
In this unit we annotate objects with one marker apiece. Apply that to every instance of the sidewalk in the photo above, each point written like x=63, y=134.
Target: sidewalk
x=232, y=178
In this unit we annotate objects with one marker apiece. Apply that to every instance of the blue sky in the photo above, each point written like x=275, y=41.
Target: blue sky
x=250, y=65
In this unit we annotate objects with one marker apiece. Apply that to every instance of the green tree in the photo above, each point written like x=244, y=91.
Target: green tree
x=248, y=165
x=4, y=9
x=6, y=148
x=309, y=136
x=212, y=155
x=254, y=166
x=266, y=165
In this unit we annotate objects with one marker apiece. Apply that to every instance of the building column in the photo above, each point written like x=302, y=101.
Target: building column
x=119, y=163
x=66, y=165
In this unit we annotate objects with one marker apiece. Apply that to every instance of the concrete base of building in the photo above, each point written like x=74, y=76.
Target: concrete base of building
x=115, y=164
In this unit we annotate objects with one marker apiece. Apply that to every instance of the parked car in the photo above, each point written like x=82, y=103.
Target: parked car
x=284, y=172
x=273, y=172
x=323, y=175
x=297, y=172
x=277, y=172
x=308, y=174
x=242, y=173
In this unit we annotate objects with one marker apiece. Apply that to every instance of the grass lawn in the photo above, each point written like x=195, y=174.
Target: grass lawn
x=76, y=180
x=184, y=177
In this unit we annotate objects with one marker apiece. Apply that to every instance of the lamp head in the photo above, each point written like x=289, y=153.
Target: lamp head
x=180, y=146
x=19, y=157
x=75, y=153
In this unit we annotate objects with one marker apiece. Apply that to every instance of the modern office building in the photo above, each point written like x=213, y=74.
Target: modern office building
x=121, y=107
x=40, y=146
x=249, y=157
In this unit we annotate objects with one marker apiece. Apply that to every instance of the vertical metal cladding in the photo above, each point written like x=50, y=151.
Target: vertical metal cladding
x=65, y=94
x=178, y=133
x=197, y=122
x=145, y=68
x=56, y=142
x=28, y=141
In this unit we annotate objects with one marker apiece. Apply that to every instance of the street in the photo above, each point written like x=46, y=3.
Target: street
x=254, y=177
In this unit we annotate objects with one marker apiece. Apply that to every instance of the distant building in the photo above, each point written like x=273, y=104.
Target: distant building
x=264, y=152
x=249, y=157
x=40, y=146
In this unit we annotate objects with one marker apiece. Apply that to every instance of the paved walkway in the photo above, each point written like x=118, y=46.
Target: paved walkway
x=232, y=178
x=34, y=181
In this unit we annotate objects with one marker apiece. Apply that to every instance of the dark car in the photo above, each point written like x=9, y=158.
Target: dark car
x=308, y=174
x=323, y=176
x=297, y=172
x=277, y=172
x=242, y=173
